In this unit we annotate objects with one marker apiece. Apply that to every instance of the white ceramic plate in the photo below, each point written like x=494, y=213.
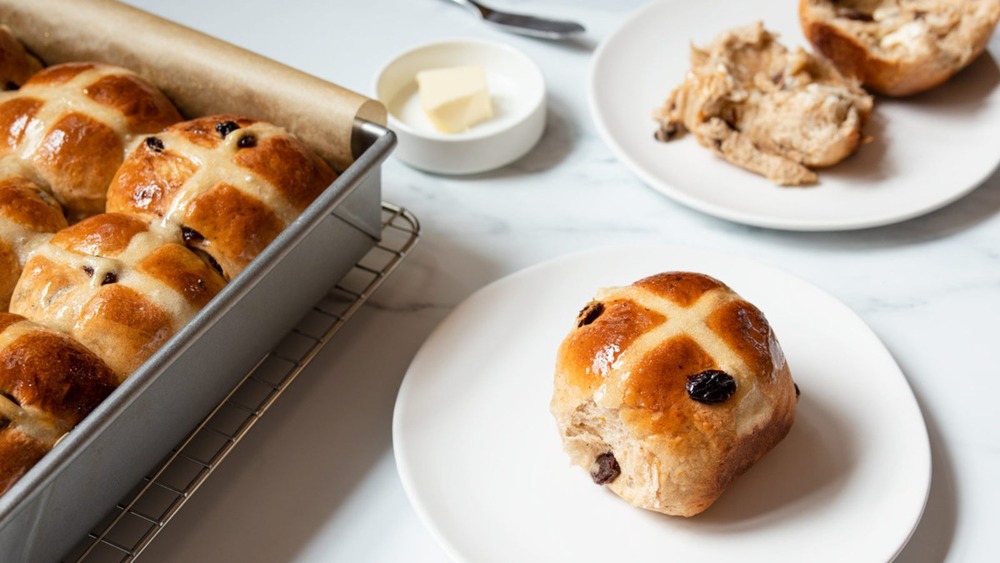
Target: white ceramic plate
x=480, y=458
x=928, y=150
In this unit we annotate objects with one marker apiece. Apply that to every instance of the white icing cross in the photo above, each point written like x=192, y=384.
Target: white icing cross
x=216, y=165
x=679, y=320
x=64, y=98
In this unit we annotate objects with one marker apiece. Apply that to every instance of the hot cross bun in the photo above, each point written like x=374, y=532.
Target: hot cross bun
x=668, y=389
x=72, y=125
x=231, y=183
x=28, y=217
x=120, y=286
x=48, y=383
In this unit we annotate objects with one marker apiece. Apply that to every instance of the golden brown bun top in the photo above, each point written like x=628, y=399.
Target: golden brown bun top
x=113, y=235
x=660, y=331
x=232, y=183
x=107, y=234
x=71, y=124
x=16, y=64
x=28, y=216
x=49, y=371
x=23, y=202
x=48, y=383
x=144, y=108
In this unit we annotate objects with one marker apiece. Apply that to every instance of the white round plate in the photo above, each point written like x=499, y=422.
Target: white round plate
x=928, y=150
x=481, y=460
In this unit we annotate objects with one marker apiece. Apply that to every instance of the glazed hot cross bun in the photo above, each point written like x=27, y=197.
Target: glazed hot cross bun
x=668, y=389
x=72, y=124
x=118, y=285
x=16, y=64
x=48, y=383
x=28, y=217
x=231, y=183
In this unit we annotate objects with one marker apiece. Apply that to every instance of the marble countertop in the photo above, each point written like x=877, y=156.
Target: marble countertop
x=316, y=481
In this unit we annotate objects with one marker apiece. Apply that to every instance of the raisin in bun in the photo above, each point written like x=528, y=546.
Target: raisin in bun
x=899, y=47
x=48, y=383
x=16, y=64
x=73, y=123
x=118, y=285
x=28, y=217
x=231, y=183
x=668, y=389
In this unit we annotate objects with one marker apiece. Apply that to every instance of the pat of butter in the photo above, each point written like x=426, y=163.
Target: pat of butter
x=455, y=98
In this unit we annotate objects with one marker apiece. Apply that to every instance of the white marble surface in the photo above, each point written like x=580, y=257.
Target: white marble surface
x=315, y=480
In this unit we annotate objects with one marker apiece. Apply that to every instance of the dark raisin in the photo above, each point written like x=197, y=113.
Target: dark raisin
x=10, y=398
x=666, y=133
x=718, y=144
x=89, y=271
x=4, y=422
x=109, y=277
x=590, y=313
x=10, y=85
x=797, y=392
x=247, y=141
x=154, y=143
x=211, y=261
x=215, y=265
x=226, y=127
x=855, y=15
x=605, y=469
x=919, y=14
x=191, y=235
x=711, y=386
x=778, y=77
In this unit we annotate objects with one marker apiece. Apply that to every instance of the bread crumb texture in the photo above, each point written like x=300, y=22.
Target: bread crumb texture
x=761, y=106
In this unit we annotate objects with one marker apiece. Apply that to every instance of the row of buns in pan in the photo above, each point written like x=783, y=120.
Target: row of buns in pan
x=119, y=221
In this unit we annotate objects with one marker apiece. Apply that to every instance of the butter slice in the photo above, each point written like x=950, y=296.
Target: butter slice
x=455, y=98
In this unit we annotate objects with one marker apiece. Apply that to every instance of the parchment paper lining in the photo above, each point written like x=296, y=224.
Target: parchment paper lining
x=201, y=74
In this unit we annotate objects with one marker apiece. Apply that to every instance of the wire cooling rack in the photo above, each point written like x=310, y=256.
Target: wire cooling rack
x=134, y=522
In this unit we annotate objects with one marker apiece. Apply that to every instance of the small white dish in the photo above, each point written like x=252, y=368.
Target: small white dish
x=480, y=458
x=517, y=91
x=927, y=150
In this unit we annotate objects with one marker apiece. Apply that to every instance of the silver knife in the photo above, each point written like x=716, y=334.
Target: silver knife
x=523, y=24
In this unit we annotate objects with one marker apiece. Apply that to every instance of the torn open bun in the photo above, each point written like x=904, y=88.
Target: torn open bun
x=899, y=47
x=765, y=108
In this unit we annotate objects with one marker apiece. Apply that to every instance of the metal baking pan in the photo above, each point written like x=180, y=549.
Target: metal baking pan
x=60, y=499
x=63, y=496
